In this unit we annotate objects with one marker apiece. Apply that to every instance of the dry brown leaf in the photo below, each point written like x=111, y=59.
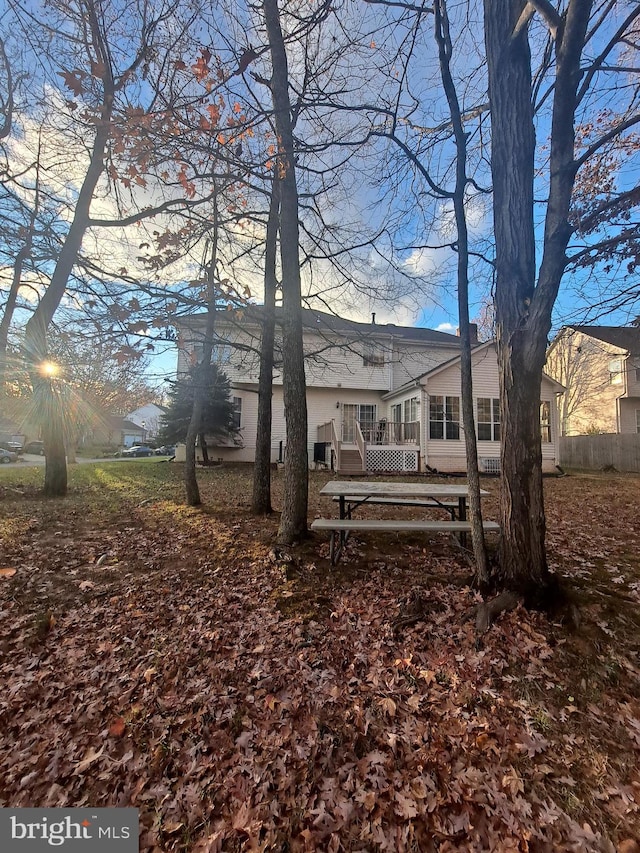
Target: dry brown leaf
x=89, y=757
x=7, y=573
x=388, y=706
x=117, y=727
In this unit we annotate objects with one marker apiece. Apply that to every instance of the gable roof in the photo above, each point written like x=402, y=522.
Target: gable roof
x=625, y=337
x=439, y=368
x=323, y=322
x=118, y=422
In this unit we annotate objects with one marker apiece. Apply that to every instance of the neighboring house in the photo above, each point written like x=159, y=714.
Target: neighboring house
x=114, y=431
x=599, y=367
x=148, y=418
x=379, y=397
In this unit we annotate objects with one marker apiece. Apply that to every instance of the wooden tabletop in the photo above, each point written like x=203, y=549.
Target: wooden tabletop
x=363, y=489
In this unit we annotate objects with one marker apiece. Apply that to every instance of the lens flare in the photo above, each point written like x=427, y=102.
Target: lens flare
x=49, y=369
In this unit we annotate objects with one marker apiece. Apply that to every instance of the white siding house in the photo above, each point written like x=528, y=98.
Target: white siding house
x=379, y=397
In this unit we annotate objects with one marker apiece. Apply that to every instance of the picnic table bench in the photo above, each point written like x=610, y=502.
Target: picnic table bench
x=339, y=528
x=352, y=495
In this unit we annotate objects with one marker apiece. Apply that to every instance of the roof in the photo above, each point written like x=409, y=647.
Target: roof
x=625, y=337
x=433, y=371
x=454, y=360
x=118, y=422
x=323, y=322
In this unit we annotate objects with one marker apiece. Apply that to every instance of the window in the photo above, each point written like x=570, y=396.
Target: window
x=221, y=354
x=364, y=414
x=373, y=355
x=237, y=412
x=545, y=421
x=488, y=420
x=637, y=374
x=615, y=371
x=444, y=417
x=638, y=420
x=411, y=410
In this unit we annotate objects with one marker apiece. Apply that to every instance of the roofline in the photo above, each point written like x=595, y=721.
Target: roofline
x=364, y=330
x=417, y=382
x=580, y=330
x=435, y=370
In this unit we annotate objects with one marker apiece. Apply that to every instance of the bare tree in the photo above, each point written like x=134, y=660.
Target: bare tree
x=445, y=49
x=293, y=521
x=526, y=292
x=261, y=502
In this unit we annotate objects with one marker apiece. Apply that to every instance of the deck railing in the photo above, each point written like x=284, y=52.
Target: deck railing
x=390, y=432
x=360, y=441
x=328, y=434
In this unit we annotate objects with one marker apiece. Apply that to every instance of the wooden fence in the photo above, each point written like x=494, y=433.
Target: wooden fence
x=595, y=452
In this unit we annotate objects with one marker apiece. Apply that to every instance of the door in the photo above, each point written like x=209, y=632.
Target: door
x=365, y=413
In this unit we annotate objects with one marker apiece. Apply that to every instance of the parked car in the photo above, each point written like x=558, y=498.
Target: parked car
x=138, y=450
x=36, y=447
x=166, y=450
x=12, y=446
x=7, y=456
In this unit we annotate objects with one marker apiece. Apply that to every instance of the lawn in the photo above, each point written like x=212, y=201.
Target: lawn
x=246, y=698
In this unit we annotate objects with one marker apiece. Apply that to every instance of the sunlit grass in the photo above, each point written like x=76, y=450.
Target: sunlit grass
x=142, y=477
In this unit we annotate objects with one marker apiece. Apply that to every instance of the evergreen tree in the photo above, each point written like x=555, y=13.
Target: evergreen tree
x=217, y=415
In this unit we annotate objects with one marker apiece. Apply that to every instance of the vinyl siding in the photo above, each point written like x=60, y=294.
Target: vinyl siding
x=331, y=360
x=410, y=361
x=581, y=364
x=450, y=454
x=628, y=409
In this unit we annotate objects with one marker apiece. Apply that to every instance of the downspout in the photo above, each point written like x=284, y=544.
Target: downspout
x=424, y=425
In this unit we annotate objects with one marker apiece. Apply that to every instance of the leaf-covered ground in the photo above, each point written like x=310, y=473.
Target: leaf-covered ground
x=242, y=698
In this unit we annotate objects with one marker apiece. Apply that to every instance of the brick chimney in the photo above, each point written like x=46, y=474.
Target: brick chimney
x=473, y=333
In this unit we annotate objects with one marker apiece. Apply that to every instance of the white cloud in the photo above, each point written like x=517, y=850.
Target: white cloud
x=449, y=328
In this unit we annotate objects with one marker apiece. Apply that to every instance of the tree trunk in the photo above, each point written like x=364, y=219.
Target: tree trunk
x=522, y=549
x=48, y=401
x=204, y=448
x=35, y=335
x=261, y=503
x=523, y=310
x=192, y=491
x=443, y=39
x=293, y=521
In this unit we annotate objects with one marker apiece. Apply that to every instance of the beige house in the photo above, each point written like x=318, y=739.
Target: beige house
x=380, y=397
x=599, y=367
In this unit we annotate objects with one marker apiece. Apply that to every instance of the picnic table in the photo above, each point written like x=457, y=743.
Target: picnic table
x=352, y=495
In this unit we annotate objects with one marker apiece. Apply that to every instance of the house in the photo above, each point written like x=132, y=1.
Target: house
x=380, y=397
x=112, y=431
x=148, y=418
x=600, y=369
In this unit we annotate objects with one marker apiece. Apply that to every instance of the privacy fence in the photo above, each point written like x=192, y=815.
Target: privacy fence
x=595, y=452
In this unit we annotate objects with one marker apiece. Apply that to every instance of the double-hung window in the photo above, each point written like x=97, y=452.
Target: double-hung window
x=373, y=355
x=444, y=417
x=545, y=421
x=488, y=420
x=237, y=412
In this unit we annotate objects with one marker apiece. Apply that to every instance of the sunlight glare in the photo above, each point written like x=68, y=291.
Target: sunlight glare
x=49, y=369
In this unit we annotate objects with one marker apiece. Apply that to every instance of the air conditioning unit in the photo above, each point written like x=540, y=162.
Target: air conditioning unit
x=490, y=466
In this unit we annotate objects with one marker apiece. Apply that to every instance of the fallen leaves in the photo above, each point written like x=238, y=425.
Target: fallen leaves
x=117, y=727
x=186, y=688
x=91, y=756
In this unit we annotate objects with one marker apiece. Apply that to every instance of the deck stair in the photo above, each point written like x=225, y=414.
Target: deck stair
x=350, y=461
